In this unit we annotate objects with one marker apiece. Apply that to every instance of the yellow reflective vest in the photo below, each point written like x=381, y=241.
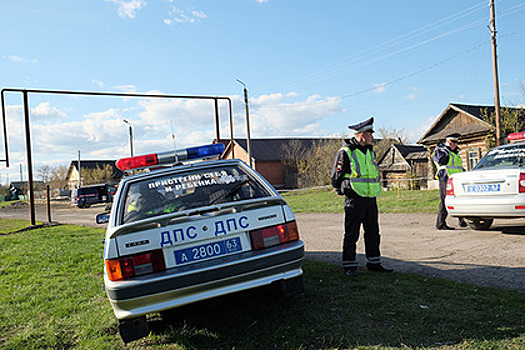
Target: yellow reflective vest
x=454, y=165
x=364, y=178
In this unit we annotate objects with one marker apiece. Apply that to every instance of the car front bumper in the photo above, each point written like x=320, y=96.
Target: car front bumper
x=188, y=284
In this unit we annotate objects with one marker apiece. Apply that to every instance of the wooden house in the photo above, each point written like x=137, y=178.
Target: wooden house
x=405, y=166
x=72, y=173
x=468, y=122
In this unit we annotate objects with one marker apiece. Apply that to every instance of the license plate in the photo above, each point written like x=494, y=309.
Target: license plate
x=208, y=251
x=483, y=188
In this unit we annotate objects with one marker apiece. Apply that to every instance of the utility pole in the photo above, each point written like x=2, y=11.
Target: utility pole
x=79, y=175
x=247, y=123
x=495, y=68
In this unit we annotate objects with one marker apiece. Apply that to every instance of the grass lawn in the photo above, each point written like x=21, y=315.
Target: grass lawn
x=325, y=200
x=51, y=297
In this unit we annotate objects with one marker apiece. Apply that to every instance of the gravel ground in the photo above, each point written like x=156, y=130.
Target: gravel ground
x=409, y=244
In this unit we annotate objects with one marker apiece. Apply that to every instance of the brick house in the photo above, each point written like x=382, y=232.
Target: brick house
x=267, y=157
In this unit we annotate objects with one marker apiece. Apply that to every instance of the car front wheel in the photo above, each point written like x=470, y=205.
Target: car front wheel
x=479, y=224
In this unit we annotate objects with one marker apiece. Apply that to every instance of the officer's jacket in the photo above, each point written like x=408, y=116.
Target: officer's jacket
x=447, y=161
x=341, y=174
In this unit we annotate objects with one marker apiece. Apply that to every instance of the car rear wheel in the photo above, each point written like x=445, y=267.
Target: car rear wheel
x=479, y=224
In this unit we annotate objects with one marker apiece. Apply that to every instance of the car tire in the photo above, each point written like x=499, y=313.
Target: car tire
x=133, y=329
x=479, y=224
x=291, y=287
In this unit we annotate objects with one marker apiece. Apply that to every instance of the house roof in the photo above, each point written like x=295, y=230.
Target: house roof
x=412, y=152
x=409, y=154
x=270, y=150
x=93, y=164
x=438, y=132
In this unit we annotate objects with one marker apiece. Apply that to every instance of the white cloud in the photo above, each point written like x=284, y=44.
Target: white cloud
x=415, y=93
x=177, y=15
x=272, y=115
x=18, y=59
x=126, y=88
x=380, y=88
x=261, y=1
x=128, y=8
x=44, y=111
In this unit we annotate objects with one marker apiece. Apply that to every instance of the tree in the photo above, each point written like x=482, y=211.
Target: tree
x=97, y=175
x=388, y=137
x=512, y=120
x=45, y=172
x=58, y=177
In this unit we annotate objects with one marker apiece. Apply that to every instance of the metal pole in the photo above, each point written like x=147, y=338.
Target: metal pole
x=79, y=175
x=495, y=68
x=248, y=139
x=29, y=160
x=217, y=134
x=130, y=136
x=48, y=202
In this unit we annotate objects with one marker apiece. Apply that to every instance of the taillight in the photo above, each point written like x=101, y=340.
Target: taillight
x=275, y=235
x=450, y=187
x=521, y=184
x=124, y=268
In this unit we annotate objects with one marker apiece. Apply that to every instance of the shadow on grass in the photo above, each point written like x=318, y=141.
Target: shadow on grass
x=393, y=310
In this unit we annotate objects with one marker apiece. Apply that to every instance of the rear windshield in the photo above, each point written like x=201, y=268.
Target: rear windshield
x=503, y=157
x=189, y=190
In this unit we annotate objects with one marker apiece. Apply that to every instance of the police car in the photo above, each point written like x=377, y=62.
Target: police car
x=495, y=188
x=190, y=232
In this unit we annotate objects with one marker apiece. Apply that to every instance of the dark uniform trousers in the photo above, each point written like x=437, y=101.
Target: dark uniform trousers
x=442, y=214
x=361, y=210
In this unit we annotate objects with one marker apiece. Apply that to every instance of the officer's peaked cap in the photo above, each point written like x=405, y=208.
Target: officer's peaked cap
x=453, y=137
x=367, y=125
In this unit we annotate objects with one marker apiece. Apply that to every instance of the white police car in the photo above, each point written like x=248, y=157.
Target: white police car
x=195, y=231
x=495, y=188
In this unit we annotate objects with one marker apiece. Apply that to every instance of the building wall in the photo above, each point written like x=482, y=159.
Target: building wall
x=273, y=172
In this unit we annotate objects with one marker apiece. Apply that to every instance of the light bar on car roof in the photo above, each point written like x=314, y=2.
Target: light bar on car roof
x=517, y=136
x=170, y=157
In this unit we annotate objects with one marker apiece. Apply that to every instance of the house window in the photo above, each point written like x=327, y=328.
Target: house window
x=473, y=158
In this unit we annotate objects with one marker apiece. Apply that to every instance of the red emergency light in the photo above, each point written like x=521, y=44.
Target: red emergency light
x=517, y=136
x=170, y=157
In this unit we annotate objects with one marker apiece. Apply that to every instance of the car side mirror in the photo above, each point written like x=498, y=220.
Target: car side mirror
x=103, y=218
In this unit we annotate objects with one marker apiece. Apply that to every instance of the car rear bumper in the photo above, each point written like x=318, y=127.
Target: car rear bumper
x=187, y=284
x=505, y=207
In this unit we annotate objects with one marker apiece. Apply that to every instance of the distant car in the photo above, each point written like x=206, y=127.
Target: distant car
x=192, y=232
x=86, y=196
x=494, y=189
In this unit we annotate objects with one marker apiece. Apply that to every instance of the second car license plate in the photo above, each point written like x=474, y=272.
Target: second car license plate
x=483, y=188
x=208, y=251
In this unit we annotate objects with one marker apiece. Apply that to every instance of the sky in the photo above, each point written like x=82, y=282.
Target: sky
x=311, y=68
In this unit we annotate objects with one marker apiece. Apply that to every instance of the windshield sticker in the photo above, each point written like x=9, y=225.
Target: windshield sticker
x=506, y=153
x=196, y=180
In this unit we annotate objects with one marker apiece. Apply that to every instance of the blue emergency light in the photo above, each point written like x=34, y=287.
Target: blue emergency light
x=170, y=157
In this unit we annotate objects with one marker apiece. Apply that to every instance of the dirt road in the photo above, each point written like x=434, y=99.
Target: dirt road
x=409, y=243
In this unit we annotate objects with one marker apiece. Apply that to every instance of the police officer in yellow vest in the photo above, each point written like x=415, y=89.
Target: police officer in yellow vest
x=447, y=162
x=355, y=176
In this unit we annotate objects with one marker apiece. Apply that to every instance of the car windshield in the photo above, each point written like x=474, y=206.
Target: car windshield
x=189, y=190
x=503, y=157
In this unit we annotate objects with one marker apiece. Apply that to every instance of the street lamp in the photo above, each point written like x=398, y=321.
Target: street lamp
x=130, y=135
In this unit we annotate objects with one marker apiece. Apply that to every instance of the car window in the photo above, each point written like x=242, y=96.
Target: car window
x=189, y=190
x=503, y=157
